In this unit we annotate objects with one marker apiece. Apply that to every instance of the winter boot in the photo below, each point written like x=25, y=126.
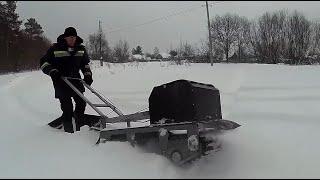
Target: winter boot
x=68, y=127
x=79, y=120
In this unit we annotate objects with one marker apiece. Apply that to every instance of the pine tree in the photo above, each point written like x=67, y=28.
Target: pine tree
x=10, y=31
x=137, y=50
x=32, y=28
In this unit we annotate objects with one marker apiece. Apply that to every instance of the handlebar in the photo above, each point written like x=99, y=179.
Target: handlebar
x=71, y=78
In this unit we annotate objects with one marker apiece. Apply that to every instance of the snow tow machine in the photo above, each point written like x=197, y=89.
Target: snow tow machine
x=185, y=118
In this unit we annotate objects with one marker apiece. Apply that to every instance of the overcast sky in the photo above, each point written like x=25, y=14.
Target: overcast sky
x=116, y=16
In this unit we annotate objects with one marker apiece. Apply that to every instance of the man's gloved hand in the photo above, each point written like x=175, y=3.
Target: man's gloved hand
x=55, y=75
x=88, y=79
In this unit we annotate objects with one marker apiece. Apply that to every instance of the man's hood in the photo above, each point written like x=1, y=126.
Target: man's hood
x=61, y=40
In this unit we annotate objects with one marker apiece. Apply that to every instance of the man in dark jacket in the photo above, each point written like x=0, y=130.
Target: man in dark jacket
x=66, y=58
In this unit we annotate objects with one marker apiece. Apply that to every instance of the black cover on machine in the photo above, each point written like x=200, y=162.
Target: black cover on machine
x=184, y=100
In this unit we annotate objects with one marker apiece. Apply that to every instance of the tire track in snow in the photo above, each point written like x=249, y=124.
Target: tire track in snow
x=229, y=96
x=27, y=95
x=273, y=98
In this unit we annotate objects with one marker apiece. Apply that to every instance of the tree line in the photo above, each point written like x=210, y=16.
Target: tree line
x=20, y=49
x=99, y=49
x=274, y=37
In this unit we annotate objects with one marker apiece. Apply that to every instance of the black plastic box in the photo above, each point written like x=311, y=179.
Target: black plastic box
x=184, y=100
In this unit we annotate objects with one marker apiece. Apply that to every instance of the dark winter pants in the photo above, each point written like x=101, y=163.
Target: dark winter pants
x=67, y=109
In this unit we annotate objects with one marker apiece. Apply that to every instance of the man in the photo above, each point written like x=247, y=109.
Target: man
x=66, y=58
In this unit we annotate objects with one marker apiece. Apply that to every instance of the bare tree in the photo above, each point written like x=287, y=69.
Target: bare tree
x=299, y=31
x=187, y=50
x=243, y=37
x=224, y=33
x=94, y=46
x=315, y=39
x=269, y=36
x=121, y=51
x=255, y=42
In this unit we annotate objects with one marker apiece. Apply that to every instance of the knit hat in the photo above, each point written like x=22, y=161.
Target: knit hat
x=70, y=31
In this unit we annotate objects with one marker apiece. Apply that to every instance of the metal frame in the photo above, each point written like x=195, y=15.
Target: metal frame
x=104, y=118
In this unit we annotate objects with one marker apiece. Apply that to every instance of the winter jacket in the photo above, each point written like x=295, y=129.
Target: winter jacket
x=68, y=63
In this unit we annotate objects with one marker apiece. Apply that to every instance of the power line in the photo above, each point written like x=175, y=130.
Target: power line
x=154, y=20
x=161, y=18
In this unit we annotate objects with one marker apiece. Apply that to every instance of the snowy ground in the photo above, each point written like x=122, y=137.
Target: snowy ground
x=277, y=106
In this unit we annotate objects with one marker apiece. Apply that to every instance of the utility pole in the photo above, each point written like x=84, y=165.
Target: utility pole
x=210, y=40
x=100, y=39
